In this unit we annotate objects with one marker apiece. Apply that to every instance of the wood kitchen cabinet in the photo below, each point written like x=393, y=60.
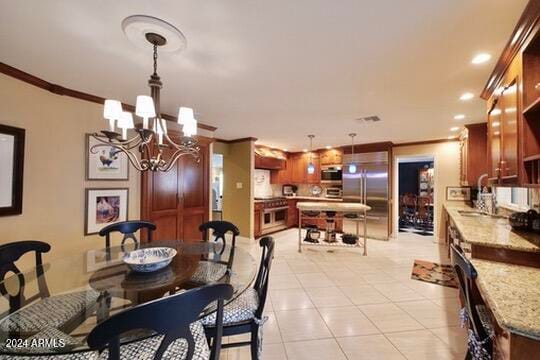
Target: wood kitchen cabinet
x=473, y=153
x=298, y=168
x=292, y=214
x=257, y=232
x=331, y=157
x=282, y=176
x=314, y=178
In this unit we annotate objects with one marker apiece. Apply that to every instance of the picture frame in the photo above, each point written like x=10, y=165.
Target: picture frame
x=104, y=206
x=12, y=140
x=107, y=163
x=458, y=193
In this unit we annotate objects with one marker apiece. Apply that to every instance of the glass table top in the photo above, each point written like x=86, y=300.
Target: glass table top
x=63, y=300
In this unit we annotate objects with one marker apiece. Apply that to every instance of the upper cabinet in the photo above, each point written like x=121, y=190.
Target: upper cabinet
x=473, y=142
x=331, y=157
x=513, y=106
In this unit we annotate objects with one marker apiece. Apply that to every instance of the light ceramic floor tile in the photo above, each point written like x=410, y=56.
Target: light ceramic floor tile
x=290, y=299
x=390, y=318
x=345, y=278
x=328, y=297
x=369, y=348
x=455, y=337
x=305, y=324
x=378, y=278
x=429, y=314
x=397, y=292
x=430, y=291
x=347, y=321
x=421, y=345
x=281, y=268
x=312, y=280
x=326, y=349
x=272, y=335
x=303, y=267
x=285, y=281
x=364, y=294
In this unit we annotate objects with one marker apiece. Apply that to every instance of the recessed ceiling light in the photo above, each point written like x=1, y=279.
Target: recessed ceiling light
x=459, y=117
x=454, y=128
x=328, y=147
x=304, y=150
x=285, y=150
x=466, y=96
x=481, y=58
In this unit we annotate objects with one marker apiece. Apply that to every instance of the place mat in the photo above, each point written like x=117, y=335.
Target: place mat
x=440, y=274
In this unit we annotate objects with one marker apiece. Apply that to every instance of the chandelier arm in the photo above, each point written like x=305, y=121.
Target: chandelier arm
x=177, y=154
x=126, y=144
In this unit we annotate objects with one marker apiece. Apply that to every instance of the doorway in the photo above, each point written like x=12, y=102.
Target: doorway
x=416, y=194
x=217, y=187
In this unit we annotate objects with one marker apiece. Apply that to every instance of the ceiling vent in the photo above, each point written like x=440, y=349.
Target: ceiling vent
x=373, y=118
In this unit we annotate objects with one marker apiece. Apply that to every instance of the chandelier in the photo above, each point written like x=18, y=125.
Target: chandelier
x=150, y=146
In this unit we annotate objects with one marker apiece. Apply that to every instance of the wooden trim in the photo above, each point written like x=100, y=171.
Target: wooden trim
x=525, y=25
x=237, y=140
x=426, y=142
x=509, y=256
x=63, y=91
x=18, y=170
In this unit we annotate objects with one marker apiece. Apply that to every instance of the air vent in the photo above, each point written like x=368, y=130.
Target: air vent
x=373, y=118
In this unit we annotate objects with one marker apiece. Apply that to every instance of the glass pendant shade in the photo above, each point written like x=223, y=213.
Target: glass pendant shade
x=311, y=168
x=352, y=168
x=145, y=107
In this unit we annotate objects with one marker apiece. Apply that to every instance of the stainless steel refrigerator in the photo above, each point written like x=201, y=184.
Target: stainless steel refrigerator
x=368, y=185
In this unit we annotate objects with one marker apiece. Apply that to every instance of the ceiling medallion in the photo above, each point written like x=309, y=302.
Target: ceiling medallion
x=145, y=149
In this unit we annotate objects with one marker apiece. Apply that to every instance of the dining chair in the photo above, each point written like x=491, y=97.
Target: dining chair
x=174, y=320
x=244, y=315
x=480, y=345
x=27, y=315
x=128, y=229
x=215, y=269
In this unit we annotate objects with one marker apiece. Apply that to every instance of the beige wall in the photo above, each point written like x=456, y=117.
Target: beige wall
x=446, y=173
x=238, y=166
x=54, y=169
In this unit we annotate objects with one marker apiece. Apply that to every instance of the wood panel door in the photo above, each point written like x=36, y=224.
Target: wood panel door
x=178, y=201
x=509, y=118
x=298, y=171
x=494, y=139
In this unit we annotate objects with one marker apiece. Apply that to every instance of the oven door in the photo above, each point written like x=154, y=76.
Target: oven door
x=274, y=219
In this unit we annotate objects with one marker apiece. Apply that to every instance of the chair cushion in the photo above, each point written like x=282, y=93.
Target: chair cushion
x=209, y=272
x=240, y=309
x=145, y=349
x=54, y=311
x=485, y=319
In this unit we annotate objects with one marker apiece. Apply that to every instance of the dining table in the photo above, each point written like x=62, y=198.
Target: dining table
x=71, y=295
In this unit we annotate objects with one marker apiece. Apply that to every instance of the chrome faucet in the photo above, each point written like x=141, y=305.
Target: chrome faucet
x=480, y=205
x=480, y=178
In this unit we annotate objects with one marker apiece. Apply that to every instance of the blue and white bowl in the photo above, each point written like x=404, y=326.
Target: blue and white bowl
x=149, y=259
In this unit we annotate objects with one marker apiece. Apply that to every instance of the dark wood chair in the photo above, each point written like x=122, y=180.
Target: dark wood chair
x=244, y=315
x=475, y=311
x=28, y=315
x=174, y=320
x=220, y=265
x=128, y=229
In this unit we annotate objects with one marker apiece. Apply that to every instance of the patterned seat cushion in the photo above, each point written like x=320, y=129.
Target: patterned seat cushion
x=54, y=311
x=240, y=309
x=145, y=349
x=209, y=272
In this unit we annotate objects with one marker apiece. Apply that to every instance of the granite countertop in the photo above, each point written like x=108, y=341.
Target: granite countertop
x=317, y=198
x=512, y=292
x=332, y=206
x=492, y=232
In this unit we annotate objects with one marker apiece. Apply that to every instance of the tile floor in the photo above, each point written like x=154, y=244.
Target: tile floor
x=341, y=305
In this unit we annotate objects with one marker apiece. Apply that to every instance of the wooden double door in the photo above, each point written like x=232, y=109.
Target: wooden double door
x=177, y=201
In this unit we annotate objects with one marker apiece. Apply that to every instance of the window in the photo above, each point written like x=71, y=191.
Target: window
x=513, y=197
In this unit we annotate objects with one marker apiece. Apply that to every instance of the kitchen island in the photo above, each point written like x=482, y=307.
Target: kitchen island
x=330, y=211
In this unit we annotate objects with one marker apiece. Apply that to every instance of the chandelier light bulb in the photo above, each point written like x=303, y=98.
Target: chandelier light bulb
x=112, y=112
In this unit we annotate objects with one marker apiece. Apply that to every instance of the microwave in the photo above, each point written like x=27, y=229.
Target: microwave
x=331, y=175
x=333, y=192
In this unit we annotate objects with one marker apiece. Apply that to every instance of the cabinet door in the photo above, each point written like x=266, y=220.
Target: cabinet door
x=494, y=139
x=509, y=156
x=257, y=223
x=298, y=171
x=314, y=178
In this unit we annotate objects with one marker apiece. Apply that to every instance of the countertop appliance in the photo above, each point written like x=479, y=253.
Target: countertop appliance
x=289, y=190
x=368, y=185
x=333, y=192
x=273, y=214
x=331, y=175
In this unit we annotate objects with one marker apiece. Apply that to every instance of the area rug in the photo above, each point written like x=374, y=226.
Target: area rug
x=440, y=274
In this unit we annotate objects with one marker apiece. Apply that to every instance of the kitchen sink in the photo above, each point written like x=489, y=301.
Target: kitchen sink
x=475, y=213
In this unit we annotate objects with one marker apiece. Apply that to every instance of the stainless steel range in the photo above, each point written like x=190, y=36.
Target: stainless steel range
x=274, y=214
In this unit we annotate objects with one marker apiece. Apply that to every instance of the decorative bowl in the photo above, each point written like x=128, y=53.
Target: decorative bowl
x=149, y=259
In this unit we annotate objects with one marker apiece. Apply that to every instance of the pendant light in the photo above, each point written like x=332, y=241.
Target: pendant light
x=311, y=167
x=352, y=165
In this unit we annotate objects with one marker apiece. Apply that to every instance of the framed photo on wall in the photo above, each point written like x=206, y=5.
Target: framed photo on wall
x=105, y=162
x=104, y=207
x=11, y=175
x=458, y=193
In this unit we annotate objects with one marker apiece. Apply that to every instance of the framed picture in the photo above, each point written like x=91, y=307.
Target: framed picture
x=458, y=193
x=105, y=207
x=11, y=175
x=105, y=162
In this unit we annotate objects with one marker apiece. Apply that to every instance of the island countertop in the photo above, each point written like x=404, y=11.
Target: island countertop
x=333, y=206
x=491, y=232
x=512, y=292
